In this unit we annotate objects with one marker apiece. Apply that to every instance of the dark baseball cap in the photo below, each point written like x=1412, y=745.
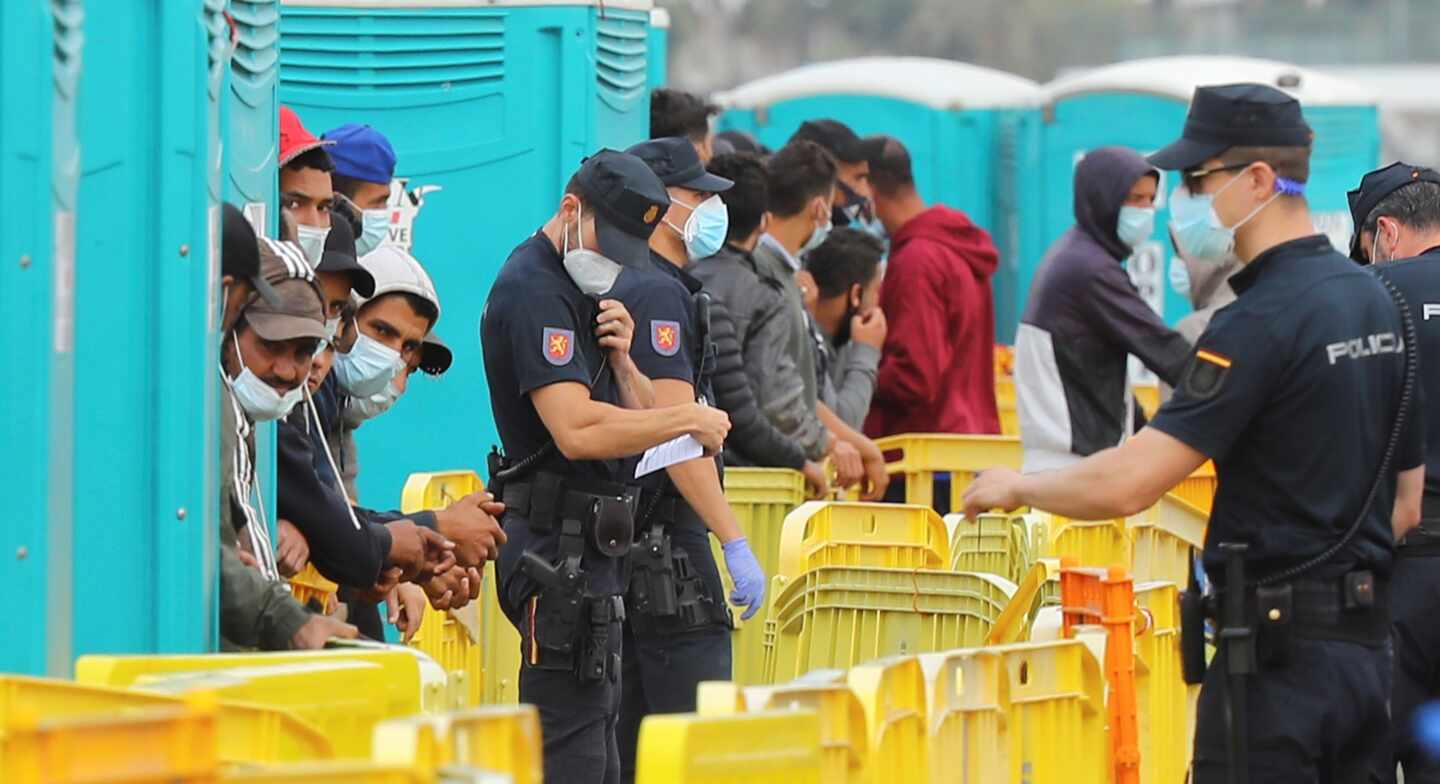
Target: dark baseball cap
x=1234, y=115
x=299, y=309
x=340, y=256
x=1374, y=187
x=675, y=162
x=361, y=153
x=435, y=356
x=240, y=251
x=835, y=136
x=628, y=201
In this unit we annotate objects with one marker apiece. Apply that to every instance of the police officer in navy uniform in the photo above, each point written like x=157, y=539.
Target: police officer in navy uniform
x=567, y=401
x=677, y=627
x=1396, y=212
x=1296, y=391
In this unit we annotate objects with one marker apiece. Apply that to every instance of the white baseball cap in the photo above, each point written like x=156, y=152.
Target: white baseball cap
x=398, y=272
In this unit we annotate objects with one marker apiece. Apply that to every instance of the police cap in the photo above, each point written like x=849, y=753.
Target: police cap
x=1374, y=187
x=1234, y=115
x=628, y=200
x=240, y=252
x=675, y=162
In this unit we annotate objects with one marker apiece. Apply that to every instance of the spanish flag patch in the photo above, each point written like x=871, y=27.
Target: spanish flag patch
x=1213, y=358
x=1206, y=374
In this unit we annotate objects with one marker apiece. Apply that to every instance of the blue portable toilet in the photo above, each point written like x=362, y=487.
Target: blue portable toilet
x=659, y=47
x=251, y=111
x=494, y=102
x=1142, y=104
x=147, y=307
x=42, y=45
x=971, y=131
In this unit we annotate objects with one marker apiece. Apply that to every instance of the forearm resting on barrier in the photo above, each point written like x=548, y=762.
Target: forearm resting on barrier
x=1117, y=482
x=586, y=429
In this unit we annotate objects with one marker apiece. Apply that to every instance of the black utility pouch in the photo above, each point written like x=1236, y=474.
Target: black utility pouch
x=1275, y=622
x=613, y=525
x=1192, y=635
x=652, y=579
x=555, y=629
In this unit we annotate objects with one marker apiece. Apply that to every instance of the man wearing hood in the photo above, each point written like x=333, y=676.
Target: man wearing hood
x=1084, y=316
x=937, y=369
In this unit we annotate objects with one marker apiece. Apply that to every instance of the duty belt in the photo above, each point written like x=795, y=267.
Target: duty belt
x=1351, y=608
x=604, y=509
x=1422, y=542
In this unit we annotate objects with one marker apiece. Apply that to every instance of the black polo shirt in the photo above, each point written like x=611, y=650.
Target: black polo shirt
x=1419, y=280
x=1292, y=392
x=538, y=329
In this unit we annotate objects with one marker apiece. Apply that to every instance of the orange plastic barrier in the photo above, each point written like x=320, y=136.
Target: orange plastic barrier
x=1106, y=598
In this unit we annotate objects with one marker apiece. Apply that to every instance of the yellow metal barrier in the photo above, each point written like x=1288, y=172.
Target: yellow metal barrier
x=1198, y=489
x=969, y=698
x=777, y=747
x=1165, y=538
x=1007, y=406
x=919, y=457
x=838, y=617
x=169, y=744
x=1013, y=625
x=456, y=639
x=827, y=533
x=343, y=693
x=844, y=736
x=247, y=733
x=1165, y=702
x=893, y=694
x=760, y=498
x=311, y=586
x=502, y=740
x=1149, y=397
x=340, y=772
x=1056, y=718
x=992, y=543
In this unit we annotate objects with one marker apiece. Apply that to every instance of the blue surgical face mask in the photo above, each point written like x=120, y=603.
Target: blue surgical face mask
x=362, y=409
x=872, y=226
x=312, y=241
x=1199, y=233
x=260, y=400
x=817, y=237
x=1135, y=225
x=705, y=229
x=375, y=224
x=367, y=368
x=1179, y=276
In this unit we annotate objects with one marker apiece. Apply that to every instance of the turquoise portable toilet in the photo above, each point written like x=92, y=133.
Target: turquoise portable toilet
x=971, y=131
x=495, y=103
x=146, y=304
x=659, y=47
x=42, y=46
x=1141, y=104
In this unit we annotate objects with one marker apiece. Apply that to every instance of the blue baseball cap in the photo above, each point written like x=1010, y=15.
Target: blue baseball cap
x=361, y=153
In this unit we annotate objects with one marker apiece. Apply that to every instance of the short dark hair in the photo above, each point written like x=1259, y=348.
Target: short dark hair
x=1292, y=163
x=797, y=173
x=749, y=198
x=1415, y=205
x=890, y=168
x=678, y=113
x=315, y=158
x=846, y=258
x=420, y=306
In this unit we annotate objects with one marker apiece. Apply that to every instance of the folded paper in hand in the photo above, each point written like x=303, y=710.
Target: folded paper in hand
x=676, y=450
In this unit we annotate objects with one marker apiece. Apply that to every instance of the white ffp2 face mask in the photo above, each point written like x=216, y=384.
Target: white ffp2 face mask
x=368, y=367
x=312, y=242
x=593, y=272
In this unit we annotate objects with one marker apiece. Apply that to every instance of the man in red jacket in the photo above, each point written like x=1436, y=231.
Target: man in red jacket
x=937, y=370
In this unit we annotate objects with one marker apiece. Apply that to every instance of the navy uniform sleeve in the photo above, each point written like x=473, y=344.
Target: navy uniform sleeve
x=1229, y=379
x=1412, y=441
x=542, y=333
x=664, y=328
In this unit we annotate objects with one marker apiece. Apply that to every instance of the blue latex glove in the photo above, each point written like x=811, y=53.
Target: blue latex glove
x=745, y=572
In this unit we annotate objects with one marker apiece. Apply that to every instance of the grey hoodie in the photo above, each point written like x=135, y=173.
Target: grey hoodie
x=1081, y=320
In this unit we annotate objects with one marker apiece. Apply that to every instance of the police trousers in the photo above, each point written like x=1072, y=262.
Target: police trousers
x=661, y=671
x=577, y=719
x=1321, y=718
x=1415, y=635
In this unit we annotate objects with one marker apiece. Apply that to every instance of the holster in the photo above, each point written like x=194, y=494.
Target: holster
x=570, y=629
x=666, y=593
x=1193, y=611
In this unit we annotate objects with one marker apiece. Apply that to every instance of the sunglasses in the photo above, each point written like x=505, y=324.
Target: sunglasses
x=1193, y=179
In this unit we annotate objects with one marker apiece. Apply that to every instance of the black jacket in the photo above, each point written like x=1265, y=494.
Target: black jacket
x=753, y=440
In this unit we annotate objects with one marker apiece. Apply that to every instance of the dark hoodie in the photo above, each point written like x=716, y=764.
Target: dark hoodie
x=1081, y=320
x=937, y=370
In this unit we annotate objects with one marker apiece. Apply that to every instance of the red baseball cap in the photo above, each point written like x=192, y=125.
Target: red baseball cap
x=294, y=139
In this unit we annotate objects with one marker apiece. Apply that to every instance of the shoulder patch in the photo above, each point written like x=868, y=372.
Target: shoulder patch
x=1206, y=374
x=665, y=337
x=558, y=345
